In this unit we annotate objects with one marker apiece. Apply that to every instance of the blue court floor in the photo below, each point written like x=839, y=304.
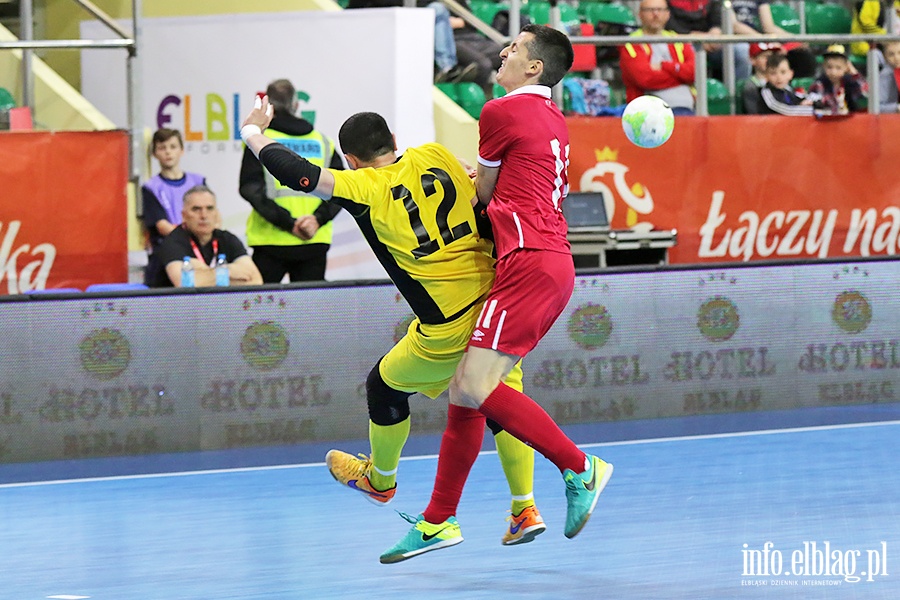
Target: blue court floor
x=801, y=513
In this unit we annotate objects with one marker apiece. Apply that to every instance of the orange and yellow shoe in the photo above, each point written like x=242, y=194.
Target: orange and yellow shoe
x=524, y=527
x=353, y=472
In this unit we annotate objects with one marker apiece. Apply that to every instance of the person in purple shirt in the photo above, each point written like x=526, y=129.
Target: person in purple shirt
x=163, y=194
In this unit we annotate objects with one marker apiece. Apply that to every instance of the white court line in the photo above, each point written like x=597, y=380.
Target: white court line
x=688, y=438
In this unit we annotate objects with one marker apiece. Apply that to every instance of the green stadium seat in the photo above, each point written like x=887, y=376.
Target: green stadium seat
x=449, y=89
x=786, y=17
x=538, y=11
x=598, y=12
x=486, y=10
x=738, y=96
x=717, y=101
x=828, y=18
x=6, y=99
x=471, y=98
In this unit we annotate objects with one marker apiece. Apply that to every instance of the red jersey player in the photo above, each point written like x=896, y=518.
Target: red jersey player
x=523, y=155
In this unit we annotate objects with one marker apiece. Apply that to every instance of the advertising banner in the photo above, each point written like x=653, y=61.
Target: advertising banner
x=200, y=75
x=752, y=187
x=63, y=210
x=174, y=372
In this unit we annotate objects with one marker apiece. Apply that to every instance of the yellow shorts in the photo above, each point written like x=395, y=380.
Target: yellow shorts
x=426, y=358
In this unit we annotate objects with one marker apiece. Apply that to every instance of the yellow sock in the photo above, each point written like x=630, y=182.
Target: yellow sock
x=517, y=460
x=387, y=443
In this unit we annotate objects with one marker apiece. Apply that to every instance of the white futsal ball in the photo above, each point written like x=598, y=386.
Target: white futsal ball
x=648, y=121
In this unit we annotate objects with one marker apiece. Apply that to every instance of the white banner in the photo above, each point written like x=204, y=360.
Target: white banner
x=181, y=371
x=200, y=75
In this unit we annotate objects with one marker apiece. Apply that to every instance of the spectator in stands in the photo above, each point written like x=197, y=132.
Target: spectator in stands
x=705, y=16
x=162, y=194
x=473, y=48
x=868, y=17
x=759, y=54
x=755, y=16
x=890, y=79
x=778, y=97
x=198, y=238
x=447, y=67
x=840, y=89
x=290, y=232
x=663, y=69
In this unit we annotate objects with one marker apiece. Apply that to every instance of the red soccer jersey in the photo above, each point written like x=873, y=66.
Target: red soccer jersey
x=525, y=134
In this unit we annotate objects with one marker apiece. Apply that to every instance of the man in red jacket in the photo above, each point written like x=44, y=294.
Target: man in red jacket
x=663, y=69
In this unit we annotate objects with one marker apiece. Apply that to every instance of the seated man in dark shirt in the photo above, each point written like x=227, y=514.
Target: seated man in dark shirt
x=198, y=238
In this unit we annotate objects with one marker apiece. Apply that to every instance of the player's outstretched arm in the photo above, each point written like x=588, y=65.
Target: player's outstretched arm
x=290, y=169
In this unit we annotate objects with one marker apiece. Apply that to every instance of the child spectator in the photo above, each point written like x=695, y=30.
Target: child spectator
x=778, y=97
x=759, y=54
x=890, y=79
x=840, y=89
x=163, y=194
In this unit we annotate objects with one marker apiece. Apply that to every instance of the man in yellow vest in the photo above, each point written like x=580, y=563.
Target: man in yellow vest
x=290, y=232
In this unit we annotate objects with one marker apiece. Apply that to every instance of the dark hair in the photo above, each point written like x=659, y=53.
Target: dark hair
x=197, y=189
x=164, y=135
x=775, y=59
x=553, y=48
x=282, y=95
x=366, y=136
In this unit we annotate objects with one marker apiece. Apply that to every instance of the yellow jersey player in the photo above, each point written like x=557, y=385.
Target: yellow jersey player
x=417, y=214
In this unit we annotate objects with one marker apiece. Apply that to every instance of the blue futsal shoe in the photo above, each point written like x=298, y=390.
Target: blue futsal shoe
x=423, y=537
x=582, y=492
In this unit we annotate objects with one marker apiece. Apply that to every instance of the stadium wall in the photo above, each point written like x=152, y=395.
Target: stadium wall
x=91, y=376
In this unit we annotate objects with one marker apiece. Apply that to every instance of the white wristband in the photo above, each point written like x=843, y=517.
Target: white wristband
x=248, y=130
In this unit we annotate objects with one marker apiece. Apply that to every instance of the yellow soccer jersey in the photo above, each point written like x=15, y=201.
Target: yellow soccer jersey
x=418, y=218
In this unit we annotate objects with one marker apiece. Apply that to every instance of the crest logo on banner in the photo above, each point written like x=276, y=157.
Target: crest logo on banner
x=590, y=326
x=265, y=345
x=105, y=353
x=718, y=319
x=851, y=311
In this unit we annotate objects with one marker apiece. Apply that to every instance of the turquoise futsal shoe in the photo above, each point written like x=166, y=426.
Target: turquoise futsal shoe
x=582, y=492
x=423, y=537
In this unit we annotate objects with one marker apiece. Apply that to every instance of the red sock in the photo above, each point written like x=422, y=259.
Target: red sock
x=460, y=446
x=525, y=419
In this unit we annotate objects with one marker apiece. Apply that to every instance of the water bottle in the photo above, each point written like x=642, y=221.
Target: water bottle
x=187, y=273
x=222, y=276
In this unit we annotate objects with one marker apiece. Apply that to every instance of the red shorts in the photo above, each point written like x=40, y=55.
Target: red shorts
x=531, y=290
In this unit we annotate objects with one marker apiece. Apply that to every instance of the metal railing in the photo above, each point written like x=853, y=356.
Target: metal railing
x=727, y=39
x=700, y=81
x=124, y=41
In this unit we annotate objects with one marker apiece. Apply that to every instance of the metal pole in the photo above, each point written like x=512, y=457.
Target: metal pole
x=26, y=20
x=556, y=92
x=135, y=122
x=700, y=80
x=873, y=79
x=515, y=10
x=728, y=56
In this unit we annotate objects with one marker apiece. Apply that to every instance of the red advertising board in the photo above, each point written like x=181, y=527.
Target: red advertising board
x=750, y=187
x=63, y=215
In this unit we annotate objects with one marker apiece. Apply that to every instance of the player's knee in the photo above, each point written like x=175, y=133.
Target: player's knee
x=466, y=391
x=387, y=406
